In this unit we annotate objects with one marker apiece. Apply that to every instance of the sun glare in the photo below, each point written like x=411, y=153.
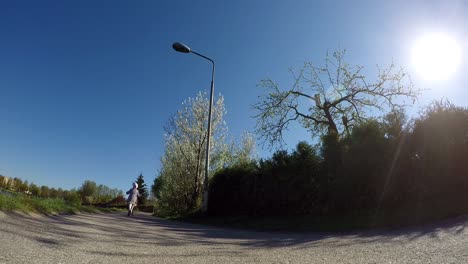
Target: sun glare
x=436, y=56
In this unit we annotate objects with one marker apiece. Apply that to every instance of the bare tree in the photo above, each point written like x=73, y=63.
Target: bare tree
x=330, y=99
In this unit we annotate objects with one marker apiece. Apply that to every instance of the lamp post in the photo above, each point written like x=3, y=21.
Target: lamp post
x=185, y=49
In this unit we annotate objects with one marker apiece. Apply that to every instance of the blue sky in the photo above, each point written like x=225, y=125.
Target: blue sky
x=87, y=86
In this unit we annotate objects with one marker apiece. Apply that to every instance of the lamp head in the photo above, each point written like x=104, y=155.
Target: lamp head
x=177, y=46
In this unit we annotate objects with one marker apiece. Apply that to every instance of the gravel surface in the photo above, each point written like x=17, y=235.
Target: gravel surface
x=116, y=238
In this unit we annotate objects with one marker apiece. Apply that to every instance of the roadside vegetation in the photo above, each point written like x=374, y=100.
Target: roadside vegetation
x=24, y=203
x=377, y=180
x=19, y=195
x=365, y=165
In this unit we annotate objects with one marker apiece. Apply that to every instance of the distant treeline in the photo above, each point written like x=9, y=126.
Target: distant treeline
x=88, y=193
x=387, y=165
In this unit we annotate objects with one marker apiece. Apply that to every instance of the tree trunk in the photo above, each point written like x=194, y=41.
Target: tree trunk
x=331, y=123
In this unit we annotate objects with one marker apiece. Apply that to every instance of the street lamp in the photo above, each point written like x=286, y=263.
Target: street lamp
x=185, y=49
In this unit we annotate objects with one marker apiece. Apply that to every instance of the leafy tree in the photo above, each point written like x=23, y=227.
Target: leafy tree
x=331, y=151
x=23, y=186
x=88, y=191
x=183, y=163
x=394, y=122
x=34, y=189
x=45, y=191
x=364, y=166
x=53, y=193
x=2, y=178
x=440, y=139
x=142, y=189
x=17, y=184
x=242, y=152
x=114, y=193
x=103, y=193
x=72, y=197
x=329, y=99
x=156, y=187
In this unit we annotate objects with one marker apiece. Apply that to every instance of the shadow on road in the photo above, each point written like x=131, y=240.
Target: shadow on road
x=117, y=228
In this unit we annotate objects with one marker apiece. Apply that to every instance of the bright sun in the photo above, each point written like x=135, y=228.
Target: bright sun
x=436, y=56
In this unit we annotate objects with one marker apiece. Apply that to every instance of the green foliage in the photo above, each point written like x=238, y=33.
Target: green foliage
x=440, y=139
x=105, y=194
x=34, y=189
x=289, y=182
x=364, y=164
x=88, y=188
x=393, y=123
x=53, y=205
x=54, y=193
x=45, y=191
x=233, y=190
x=25, y=203
x=2, y=185
x=28, y=204
x=379, y=168
x=242, y=152
x=19, y=185
x=156, y=187
x=88, y=191
x=331, y=152
x=11, y=202
x=284, y=184
x=91, y=193
x=72, y=197
x=142, y=189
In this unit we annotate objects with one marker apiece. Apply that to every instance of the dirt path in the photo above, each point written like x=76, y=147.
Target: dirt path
x=116, y=238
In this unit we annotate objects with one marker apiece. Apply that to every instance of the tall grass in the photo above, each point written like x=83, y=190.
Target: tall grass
x=19, y=202
x=33, y=204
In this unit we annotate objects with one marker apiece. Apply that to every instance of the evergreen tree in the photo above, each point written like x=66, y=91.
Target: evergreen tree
x=142, y=189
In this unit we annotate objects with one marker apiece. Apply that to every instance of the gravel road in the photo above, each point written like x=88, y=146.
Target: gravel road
x=116, y=238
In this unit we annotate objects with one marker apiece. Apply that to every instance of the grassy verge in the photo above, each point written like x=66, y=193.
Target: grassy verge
x=45, y=205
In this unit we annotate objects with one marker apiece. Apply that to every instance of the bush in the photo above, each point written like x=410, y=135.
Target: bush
x=381, y=168
x=285, y=184
x=232, y=190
